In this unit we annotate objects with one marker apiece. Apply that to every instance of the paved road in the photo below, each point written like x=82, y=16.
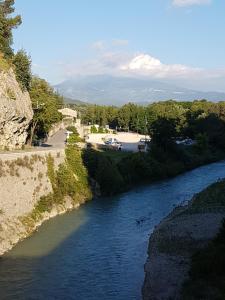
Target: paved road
x=56, y=141
x=53, y=144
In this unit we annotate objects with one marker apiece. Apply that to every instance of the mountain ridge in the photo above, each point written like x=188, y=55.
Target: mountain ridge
x=110, y=90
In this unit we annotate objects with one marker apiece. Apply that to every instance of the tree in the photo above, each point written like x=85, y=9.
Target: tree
x=7, y=24
x=22, y=66
x=45, y=104
x=163, y=131
x=201, y=142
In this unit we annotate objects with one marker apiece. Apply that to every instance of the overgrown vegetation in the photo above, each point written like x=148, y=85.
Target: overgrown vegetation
x=118, y=171
x=207, y=274
x=74, y=136
x=71, y=179
x=4, y=64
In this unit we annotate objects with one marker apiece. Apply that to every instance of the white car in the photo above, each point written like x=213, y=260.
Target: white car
x=113, y=143
x=145, y=140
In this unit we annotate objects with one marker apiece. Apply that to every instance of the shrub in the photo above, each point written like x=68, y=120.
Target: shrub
x=72, y=129
x=94, y=129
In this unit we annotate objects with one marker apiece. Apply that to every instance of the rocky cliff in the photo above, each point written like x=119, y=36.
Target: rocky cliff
x=15, y=112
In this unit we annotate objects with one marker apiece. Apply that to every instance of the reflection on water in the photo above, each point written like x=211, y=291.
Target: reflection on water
x=49, y=236
x=98, y=251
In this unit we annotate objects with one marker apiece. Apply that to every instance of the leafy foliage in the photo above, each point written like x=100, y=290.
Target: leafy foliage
x=176, y=119
x=45, y=104
x=22, y=66
x=104, y=170
x=7, y=24
x=74, y=137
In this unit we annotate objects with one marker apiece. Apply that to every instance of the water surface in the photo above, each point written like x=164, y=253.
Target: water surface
x=97, y=252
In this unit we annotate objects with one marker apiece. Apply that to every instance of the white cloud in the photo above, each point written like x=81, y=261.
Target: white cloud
x=118, y=42
x=122, y=63
x=183, y=3
x=144, y=64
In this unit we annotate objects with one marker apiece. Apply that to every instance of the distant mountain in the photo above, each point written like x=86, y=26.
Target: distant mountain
x=75, y=101
x=109, y=90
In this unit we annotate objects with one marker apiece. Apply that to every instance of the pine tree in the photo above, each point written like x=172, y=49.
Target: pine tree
x=7, y=24
x=22, y=66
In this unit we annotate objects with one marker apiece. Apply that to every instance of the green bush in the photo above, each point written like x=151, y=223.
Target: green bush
x=94, y=129
x=72, y=129
x=73, y=139
x=105, y=171
x=71, y=179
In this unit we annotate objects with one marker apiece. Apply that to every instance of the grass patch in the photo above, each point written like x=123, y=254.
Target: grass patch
x=207, y=274
x=116, y=156
x=4, y=64
x=212, y=199
x=11, y=94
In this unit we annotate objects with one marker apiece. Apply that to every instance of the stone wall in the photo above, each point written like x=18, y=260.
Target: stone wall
x=23, y=180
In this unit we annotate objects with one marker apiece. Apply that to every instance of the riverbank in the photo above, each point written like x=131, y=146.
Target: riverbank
x=117, y=171
x=177, y=238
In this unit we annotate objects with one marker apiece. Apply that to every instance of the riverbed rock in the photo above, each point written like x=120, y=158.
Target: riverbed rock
x=15, y=112
x=171, y=247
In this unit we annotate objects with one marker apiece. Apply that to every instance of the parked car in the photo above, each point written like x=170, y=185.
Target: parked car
x=145, y=140
x=113, y=143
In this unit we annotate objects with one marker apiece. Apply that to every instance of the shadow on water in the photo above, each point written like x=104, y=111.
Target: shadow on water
x=98, y=251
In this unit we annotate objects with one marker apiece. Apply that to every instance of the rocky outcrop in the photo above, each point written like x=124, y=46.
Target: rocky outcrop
x=171, y=247
x=15, y=112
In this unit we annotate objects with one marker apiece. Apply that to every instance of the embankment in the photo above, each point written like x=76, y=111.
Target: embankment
x=36, y=187
x=177, y=238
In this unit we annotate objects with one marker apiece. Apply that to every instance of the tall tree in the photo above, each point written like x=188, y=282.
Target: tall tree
x=22, y=64
x=7, y=24
x=45, y=104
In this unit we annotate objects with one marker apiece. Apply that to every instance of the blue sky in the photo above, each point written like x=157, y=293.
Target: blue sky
x=171, y=40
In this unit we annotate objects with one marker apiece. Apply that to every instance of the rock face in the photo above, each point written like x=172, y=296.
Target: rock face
x=15, y=112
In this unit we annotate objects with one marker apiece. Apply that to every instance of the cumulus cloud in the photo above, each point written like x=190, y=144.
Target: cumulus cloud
x=139, y=65
x=183, y=3
x=144, y=64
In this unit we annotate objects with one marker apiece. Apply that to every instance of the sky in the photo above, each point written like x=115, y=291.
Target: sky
x=178, y=41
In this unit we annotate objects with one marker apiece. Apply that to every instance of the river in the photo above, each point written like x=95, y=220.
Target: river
x=98, y=251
